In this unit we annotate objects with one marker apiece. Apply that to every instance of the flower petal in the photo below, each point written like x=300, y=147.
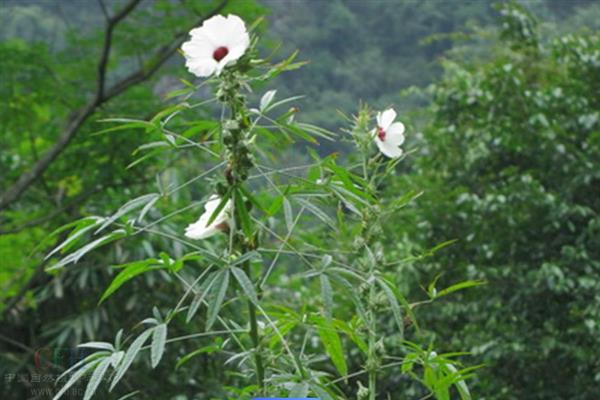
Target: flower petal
x=199, y=233
x=395, y=134
x=219, y=31
x=197, y=48
x=385, y=119
x=388, y=150
x=201, y=67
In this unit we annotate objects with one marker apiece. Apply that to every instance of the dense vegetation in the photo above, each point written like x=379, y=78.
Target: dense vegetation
x=507, y=161
x=512, y=172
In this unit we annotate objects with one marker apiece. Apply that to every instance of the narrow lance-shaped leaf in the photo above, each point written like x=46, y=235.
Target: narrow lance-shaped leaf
x=96, y=378
x=159, y=338
x=81, y=227
x=393, y=304
x=242, y=213
x=199, y=298
x=74, y=257
x=326, y=295
x=75, y=377
x=245, y=284
x=129, y=206
x=130, y=355
x=333, y=344
x=131, y=271
x=218, y=292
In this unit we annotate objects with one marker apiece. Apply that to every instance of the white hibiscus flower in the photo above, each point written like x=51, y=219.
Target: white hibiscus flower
x=220, y=41
x=389, y=135
x=201, y=229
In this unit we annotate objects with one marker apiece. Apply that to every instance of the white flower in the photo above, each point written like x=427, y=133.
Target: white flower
x=389, y=135
x=201, y=229
x=220, y=41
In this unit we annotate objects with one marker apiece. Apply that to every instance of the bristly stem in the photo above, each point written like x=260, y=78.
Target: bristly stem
x=236, y=173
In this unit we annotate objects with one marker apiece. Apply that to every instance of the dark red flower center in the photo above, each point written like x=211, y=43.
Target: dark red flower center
x=381, y=133
x=220, y=53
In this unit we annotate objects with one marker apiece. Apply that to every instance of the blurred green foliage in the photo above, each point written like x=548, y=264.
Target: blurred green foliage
x=509, y=166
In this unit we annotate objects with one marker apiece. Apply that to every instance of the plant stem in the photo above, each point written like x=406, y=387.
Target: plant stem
x=239, y=165
x=260, y=371
x=372, y=357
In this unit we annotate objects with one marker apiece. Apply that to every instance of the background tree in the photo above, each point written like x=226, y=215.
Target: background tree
x=510, y=169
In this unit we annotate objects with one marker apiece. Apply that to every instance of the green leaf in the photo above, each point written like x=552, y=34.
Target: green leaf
x=129, y=395
x=245, y=284
x=249, y=256
x=87, y=360
x=266, y=100
x=352, y=334
x=126, y=124
x=81, y=227
x=459, y=286
x=98, y=345
x=321, y=391
x=333, y=344
x=76, y=256
x=199, y=298
x=75, y=377
x=298, y=132
x=219, y=208
x=96, y=378
x=218, y=292
x=242, y=213
x=131, y=271
x=326, y=295
x=299, y=390
x=288, y=213
x=159, y=338
x=394, y=305
x=206, y=349
x=130, y=355
x=129, y=206
x=316, y=130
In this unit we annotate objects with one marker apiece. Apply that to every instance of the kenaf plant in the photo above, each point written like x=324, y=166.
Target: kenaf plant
x=247, y=265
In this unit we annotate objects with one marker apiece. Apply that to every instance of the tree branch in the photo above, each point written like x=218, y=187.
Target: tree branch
x=28, y=178
x=111, y=23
